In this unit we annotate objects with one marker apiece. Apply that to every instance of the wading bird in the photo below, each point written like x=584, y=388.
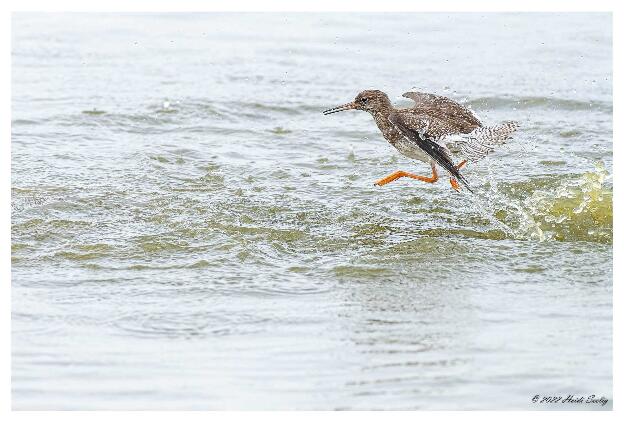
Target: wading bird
x=430, y=131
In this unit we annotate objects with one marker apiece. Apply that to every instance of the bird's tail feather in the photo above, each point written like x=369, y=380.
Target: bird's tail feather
x=482, y=141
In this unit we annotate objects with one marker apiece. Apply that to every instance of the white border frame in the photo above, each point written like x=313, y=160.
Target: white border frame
x=295, y=6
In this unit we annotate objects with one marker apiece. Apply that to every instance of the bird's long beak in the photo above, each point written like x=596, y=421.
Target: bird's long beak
x=342, y=108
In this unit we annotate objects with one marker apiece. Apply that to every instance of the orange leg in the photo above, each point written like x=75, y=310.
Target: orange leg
x=454, y=183
x=400, y=174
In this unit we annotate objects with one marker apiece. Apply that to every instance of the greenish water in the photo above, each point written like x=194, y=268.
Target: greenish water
x=189, y=231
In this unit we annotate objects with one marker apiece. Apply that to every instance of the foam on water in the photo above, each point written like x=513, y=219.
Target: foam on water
x=576, y=209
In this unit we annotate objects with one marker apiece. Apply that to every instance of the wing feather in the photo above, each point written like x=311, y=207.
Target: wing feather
x=482, y=141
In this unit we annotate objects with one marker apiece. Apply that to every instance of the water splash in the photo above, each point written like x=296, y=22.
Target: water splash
x=568, y=208
x=506, y=213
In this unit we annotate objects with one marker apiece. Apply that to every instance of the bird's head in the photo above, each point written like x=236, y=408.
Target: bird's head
x=371, y=101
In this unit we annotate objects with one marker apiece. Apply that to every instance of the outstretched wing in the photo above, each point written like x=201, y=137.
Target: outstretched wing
x=482, y=141
x=445, y=108
x=423, y=131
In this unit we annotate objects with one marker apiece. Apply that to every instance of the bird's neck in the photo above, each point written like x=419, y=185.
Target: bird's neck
x=382, y=110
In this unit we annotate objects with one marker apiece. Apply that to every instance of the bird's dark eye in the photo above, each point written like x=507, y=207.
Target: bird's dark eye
x=363, y=100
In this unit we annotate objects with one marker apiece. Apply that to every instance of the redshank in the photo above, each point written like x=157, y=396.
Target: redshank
x=430, y=131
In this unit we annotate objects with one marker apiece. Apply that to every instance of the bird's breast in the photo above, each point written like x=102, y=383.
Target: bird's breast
x=398, y=141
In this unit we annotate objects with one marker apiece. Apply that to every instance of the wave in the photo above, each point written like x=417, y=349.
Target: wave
x=559, y=208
